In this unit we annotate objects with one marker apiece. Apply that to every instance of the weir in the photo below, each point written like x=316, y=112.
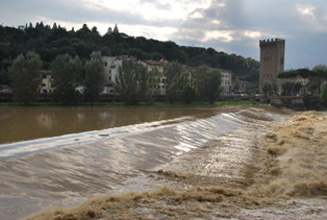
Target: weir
x=63, y=171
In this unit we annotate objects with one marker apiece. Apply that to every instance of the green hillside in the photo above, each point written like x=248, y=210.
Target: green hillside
x=51, y=41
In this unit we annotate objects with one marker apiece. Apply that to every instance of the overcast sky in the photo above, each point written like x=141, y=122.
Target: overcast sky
x=232, y=26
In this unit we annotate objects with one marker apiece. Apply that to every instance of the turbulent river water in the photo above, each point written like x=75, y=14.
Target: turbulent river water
x=214, y=145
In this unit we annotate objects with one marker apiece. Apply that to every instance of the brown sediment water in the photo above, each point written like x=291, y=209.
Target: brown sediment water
x=28, y=123
x=249, y=164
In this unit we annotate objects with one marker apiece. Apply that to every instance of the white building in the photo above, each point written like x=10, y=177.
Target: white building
x=46, y=81
x=239, y=86
x=159, y=88
x=226, y=82
x=111, y=68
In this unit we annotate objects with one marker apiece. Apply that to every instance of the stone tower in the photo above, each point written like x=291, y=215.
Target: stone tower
x=271, y=62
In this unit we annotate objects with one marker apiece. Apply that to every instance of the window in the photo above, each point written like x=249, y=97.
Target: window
x=109, y=77
x=44, y=76
x=43, y=84
x=282, y=61
x=110, y=71
x=105, y=64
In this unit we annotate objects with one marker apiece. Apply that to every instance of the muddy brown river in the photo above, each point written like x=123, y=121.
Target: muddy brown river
x=62, y=156
x=21, y=123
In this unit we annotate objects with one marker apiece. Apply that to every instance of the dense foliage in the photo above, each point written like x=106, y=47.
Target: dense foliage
x=66, y=78
x=25, y=78
x=291, y=88
x=212, y=85
x=50, y=42
x=132, y=81
x=176, y=80
x=202, y=83
x=308, y=79
x=323, y=94
x=94, y=77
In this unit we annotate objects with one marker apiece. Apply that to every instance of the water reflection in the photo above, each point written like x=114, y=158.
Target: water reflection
x=45, y=121
x=19, y=123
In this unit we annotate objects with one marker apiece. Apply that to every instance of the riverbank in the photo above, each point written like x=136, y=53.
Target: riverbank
x=115, y=104
x=283, y=177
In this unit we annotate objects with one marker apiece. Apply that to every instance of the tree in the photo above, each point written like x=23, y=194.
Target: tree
x=321, y=76
x=291, y=88
x=153, y=82
x=4, y=77
x=274, y=88
x=175, y=81
x=54, y=26
x=25, y=77
x=323, y=94
x=66, y=77
x=115, y=31
x=267, y=89
x=94, y=77
x=212, y=85
x=307, y=78
x=198, y=80
x=188, y=94
x=132, y=81
x=301, y=75
x=319, y=68
x=206, y=83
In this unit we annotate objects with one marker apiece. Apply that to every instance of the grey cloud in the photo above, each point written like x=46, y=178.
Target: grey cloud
x=232, y=14
x=71, y=12
x=231, y=18
x=305, y=39
x=272, y=18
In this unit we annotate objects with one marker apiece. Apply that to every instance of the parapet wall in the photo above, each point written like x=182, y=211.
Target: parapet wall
x=272, y=41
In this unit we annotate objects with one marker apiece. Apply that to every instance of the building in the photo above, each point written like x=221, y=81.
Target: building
x=226, y=78
x=240, y=86
x=46, y=81
x=111, y=69
x=113, y=64
x=272, y=55
x=226, y=82
x=152, y=65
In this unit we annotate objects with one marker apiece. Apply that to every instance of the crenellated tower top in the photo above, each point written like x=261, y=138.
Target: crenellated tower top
x=272, y=41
